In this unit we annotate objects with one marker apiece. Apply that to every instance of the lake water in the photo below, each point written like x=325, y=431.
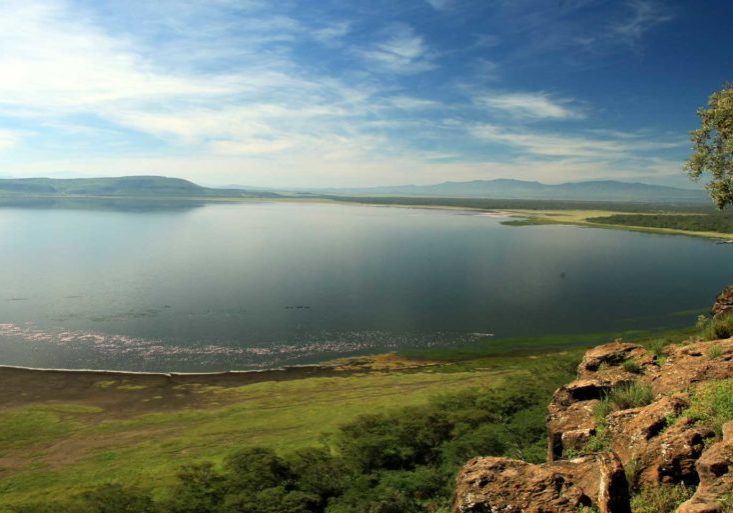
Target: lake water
x=258, y=284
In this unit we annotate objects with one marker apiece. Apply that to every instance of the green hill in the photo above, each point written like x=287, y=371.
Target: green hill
x=124, y=186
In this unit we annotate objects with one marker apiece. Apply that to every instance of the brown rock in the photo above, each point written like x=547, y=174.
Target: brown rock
x=715, y=468
x=632, y=429
x=613, y=355
x=723, y=302
x=670, y=458
x=689, y=365
x=511, y=486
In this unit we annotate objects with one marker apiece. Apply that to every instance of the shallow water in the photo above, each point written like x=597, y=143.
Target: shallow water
x=259, y=284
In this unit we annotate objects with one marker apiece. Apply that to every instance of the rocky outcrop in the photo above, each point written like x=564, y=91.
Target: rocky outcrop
x=486, y=485
x=650, y=444
x=723, y=302
x=715, y=468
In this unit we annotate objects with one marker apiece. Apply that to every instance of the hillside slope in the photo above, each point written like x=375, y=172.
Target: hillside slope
x=124, y=186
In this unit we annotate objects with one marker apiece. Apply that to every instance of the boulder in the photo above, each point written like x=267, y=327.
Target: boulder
x=487, y=485
x=715, y=468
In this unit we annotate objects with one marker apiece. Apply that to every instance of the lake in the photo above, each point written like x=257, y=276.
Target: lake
x=255, y=285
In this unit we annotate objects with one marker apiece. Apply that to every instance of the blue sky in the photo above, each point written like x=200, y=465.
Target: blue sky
x=350, y=93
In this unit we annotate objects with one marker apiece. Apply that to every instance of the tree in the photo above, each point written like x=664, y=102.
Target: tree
x=713, y=147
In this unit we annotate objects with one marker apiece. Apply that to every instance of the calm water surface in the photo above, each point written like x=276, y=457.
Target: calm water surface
x=263, y=284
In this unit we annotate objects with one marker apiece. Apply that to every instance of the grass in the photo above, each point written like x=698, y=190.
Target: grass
x=528, y=345
x=715, y=352
x=630, y=395
x=712, y=404
x=713, y=226
x=716, y=328
x=660, y=499
x=51, y=452
x=632, y=367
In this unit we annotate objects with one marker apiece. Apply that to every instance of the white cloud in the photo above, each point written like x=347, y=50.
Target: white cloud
x=529, y=105
x=645, y=14
x=332, y=34
x=563, y=146
x=8, y=139
x=402, y=51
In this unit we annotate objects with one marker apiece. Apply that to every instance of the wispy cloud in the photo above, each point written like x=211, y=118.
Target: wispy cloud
x=556, y=145
x=645, y=14
x=332, y=34
x=401, y=51
x=532, y=106
x=8, y=139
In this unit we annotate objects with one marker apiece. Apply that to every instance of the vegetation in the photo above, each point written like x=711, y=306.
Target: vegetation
x=713, y=147
x=712, y=404
x=58, y=451
x=632, y=367
x=630, y=395
x=660, y=499
x=715, y=328
x=404, y=460
x=713, y=222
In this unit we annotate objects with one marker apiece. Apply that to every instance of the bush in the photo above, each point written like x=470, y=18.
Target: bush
x=660, y=499
x=657, y=347
x=715, y=352
x=717, y=328
x=631, y=395
x=632, y=366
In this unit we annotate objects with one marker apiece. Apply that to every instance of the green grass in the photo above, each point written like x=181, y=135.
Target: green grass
x=64, y=454
x=716, y=328
x=24, y=427
x=631, y=395
x=632, y=367
x=712, y=404
x=660, y=499
x=527, y=345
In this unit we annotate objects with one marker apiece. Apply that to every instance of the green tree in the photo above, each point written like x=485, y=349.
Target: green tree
x=713, y=147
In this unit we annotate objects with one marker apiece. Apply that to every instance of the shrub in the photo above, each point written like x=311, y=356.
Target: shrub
x=632, y=366
x=660, y=499
x=631, y=395
x=712, y=404
x=715, y=352
x=717, y=328
x=657, y=347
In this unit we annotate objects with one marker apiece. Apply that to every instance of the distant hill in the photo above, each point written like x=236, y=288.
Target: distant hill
x=125, y=186
x=598, y=190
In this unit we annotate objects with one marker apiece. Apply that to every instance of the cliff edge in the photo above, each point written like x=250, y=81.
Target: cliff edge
x=638, y=430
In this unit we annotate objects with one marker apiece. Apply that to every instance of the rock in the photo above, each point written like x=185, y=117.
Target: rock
x=715, y=468
x=487, y=485
x=571, y=421
x=613, y=355
x=654, y=443
x=723, y=302
x=670, y=458
x=689, y=365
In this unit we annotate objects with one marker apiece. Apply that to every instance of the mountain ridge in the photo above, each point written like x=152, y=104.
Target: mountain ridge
x=507, y=188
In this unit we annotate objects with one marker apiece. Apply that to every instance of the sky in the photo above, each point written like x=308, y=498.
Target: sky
x=342, y=93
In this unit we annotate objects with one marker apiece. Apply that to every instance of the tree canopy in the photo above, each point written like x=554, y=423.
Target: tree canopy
x=713, y=147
